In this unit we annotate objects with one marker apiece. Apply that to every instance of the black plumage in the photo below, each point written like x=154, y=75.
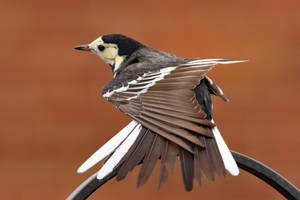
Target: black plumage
x=126, y=45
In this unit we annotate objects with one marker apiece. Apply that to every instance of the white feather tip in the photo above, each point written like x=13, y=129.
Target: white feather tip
x=107, y=148
x=228, y=160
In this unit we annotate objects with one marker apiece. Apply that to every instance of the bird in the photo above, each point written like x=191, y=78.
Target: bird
x=169, y=101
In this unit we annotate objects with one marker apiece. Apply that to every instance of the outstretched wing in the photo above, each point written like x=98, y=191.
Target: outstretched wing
x=168, y=120
x=165, y=102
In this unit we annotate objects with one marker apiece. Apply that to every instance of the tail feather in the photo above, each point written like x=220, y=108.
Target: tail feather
x=197, y=165
x=114, y=160
x=150, y=159
x=167, y=162
x=227, y=157
x=206, y=165
x=131, y=159
x=107, y=148
x=187, y=168
x=141, y=145
x=163, y=176
x=134, y=156
x=215, y=156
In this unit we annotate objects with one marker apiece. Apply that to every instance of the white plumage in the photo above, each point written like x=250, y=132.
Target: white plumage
x=107, y=148
x=111, y=163
x=227, y=157
x=214, y=61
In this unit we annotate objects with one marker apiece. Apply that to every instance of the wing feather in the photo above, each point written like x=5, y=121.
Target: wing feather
x=180, y=116
x=172, y=129
x=171, y=137
x=182, y=123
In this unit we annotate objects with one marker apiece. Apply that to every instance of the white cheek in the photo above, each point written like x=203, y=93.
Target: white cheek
x=100, y=55
x=110, y=53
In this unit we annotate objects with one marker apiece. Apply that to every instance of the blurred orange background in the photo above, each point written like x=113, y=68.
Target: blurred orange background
x=53, y=116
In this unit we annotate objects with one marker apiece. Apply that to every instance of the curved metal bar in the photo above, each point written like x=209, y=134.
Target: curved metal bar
x=90, y=185
x=268, y=175
x=244, y=162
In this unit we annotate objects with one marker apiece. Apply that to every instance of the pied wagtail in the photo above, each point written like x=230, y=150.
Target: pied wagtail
x=168, y=98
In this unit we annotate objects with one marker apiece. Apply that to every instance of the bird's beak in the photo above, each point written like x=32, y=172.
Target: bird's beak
x=84, y=47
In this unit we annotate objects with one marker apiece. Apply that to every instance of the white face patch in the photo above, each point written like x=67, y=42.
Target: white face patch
x=109, y=54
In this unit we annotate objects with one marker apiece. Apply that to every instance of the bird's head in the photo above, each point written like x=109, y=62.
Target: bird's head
x=112, y=48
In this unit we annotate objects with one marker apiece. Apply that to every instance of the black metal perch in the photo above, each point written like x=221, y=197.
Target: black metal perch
x=244, y=162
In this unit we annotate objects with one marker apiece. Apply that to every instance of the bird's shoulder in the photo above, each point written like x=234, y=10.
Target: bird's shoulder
x=131, y=73
x=146, y=60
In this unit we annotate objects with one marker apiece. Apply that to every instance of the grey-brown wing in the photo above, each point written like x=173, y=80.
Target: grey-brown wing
x=168, y=121
x=165, y=103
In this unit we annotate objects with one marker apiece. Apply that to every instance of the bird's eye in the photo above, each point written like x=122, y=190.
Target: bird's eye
x=101, y=47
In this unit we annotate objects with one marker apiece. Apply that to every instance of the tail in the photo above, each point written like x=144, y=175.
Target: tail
x=136, y=144
x=227, y=157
